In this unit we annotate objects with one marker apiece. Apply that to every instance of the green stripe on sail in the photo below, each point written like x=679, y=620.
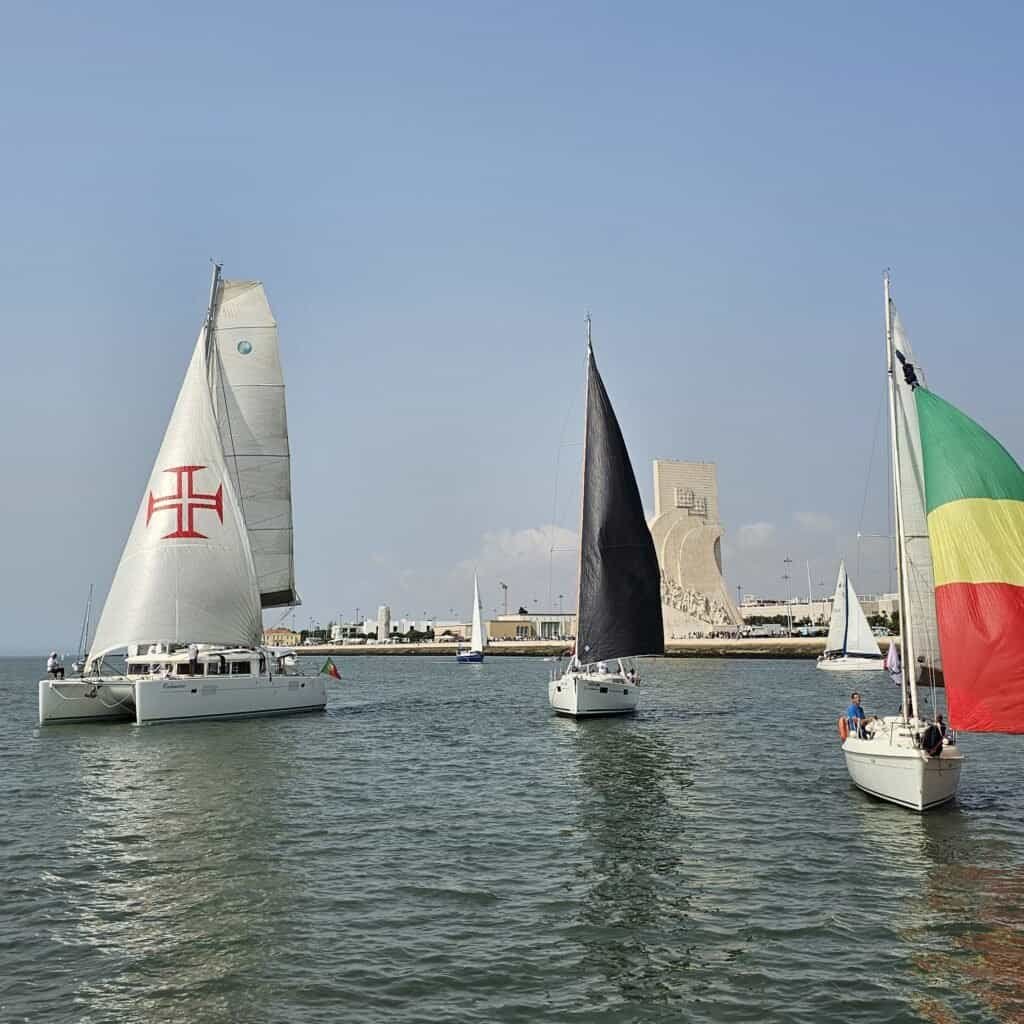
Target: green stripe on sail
x=962, y=459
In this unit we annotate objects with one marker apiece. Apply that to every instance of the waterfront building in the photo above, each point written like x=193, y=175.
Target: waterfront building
x=535, y=626
x=383, y=622
x=450, y=629
x=280, y=636
x=688, y=539
x=819, y=612
x=341, y=631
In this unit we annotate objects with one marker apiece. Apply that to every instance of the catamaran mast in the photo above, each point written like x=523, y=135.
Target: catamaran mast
x=902, y=568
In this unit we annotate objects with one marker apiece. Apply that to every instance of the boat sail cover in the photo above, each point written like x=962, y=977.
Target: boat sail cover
x=620, y=582
x=186, y=574
x=249, y=402
x=476, y=642
x=848, y=631
x=920, y=584
x=975, y=492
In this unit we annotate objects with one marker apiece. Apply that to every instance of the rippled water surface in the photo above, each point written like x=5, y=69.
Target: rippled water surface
x=439, y=847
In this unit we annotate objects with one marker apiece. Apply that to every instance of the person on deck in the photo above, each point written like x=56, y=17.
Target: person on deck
x=193, y=658
x=54, y=667
x=855, y=717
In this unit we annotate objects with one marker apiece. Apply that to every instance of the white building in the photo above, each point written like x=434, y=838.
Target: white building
x=383, y=622
x=754, y=609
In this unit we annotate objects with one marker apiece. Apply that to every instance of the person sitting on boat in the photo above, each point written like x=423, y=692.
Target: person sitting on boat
x=193, y=659
x=931, y=740
x=54, y=667
x=856, y=720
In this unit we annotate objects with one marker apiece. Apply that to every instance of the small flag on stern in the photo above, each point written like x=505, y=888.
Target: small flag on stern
x=330, y=669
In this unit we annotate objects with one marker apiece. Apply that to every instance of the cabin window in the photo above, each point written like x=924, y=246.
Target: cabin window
x=183, y=669
x=241, y=668
x=137, y=670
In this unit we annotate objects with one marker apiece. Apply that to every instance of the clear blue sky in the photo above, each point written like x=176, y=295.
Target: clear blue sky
x=434, y=194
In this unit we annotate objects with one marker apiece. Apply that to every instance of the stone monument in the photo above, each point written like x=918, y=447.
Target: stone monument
x=688, y=538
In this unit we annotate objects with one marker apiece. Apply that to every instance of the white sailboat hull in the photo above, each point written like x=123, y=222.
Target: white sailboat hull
x=582, y=694
x=890, y=767
x=851, y=663
x=151, y=700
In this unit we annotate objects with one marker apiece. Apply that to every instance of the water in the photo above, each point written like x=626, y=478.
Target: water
x=439, y=847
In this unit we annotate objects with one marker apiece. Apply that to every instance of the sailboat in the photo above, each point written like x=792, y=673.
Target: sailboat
x=904, y=758
x=619, y=607
x=851, y=646
x=210, y=547
x=476, y=640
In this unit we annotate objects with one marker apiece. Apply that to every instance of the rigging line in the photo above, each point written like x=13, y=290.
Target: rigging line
x=214, y=348
x=867, y=481
x=554, y=504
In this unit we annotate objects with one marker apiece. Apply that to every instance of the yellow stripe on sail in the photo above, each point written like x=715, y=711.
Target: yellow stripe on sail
x=978, y=540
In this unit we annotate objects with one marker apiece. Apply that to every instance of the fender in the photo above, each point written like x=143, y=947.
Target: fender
x=844, y=728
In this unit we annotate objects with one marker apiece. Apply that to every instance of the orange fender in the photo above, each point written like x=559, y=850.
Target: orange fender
x=844, y=728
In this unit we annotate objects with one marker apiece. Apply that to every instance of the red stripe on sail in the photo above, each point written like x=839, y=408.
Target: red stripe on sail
x=981, y=631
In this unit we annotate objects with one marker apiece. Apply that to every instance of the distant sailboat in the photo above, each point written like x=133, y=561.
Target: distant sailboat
x=904, y=758
x=476, y=640
x=210, y=546
x=619, y=609
x=851, y=646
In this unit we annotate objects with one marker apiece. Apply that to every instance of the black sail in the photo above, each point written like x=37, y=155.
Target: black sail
x=620, y=582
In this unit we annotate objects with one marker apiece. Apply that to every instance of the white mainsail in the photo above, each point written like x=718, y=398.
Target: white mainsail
x=476, y=642
x=837, y=624
x=186, y=574
x=848, y=630
x=250, y=405
x=919, y=585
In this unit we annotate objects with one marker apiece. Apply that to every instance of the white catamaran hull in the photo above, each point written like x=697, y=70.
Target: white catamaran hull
x=891, y=768
x=581, y=694
x=151, y=700
x=851, y=663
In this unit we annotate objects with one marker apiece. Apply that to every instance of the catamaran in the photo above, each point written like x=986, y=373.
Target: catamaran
x=619, y=608
x=904, y=758
x=475, y=653
x=210, y=547
x=851, y=646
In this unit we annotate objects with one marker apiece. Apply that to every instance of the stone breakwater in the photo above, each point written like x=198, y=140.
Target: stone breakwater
x=748, y=647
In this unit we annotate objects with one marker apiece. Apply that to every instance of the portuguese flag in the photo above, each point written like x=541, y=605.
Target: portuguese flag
x=330, y=669
x=975, y=496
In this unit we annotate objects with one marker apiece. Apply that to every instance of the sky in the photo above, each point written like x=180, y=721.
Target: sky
x=434, y=195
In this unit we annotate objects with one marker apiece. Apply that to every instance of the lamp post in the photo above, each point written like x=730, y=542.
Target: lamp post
x=787, y=562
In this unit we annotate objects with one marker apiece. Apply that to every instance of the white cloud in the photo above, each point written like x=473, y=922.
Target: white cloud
x=755, y=535
x=815, y=522
x=502, y=549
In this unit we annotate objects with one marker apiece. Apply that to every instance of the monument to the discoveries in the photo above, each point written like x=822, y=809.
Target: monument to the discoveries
x=688, y=539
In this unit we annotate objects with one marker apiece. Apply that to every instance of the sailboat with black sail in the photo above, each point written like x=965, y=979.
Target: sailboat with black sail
x=210, y=547
x=619, y=609
x=907, y=759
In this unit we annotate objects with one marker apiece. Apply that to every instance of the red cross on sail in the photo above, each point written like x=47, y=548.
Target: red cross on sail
x=185, y=502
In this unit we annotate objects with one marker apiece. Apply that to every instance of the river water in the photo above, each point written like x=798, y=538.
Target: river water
x=439, y=847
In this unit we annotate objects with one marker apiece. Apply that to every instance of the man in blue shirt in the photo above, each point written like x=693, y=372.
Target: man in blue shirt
x=855, y=717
